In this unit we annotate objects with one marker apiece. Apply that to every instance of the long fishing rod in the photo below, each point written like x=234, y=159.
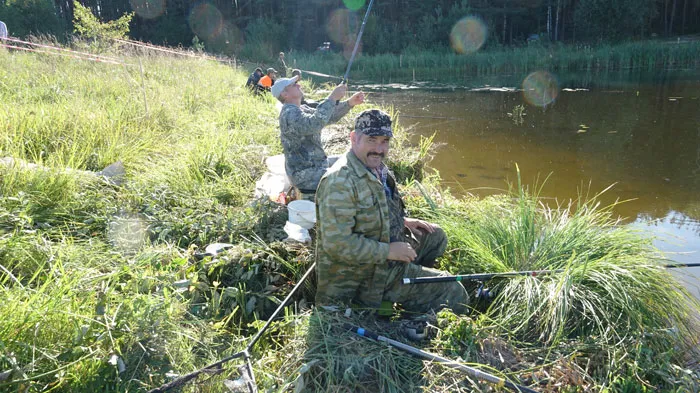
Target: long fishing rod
x=248, y=378
x=357, y=42
x=478, y=277
x=478, y=374
x=529, y=273
x=681, y=265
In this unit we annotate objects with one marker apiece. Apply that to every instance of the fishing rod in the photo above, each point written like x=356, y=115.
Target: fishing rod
x=432, y=117
x=321, y=75
x=681, y=265
x=528, y=273
x=247, y=376
x=479, y=277
x=357, y=43
x=436, y=358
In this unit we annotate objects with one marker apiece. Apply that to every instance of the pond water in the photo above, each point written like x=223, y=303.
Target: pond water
x=643, y=137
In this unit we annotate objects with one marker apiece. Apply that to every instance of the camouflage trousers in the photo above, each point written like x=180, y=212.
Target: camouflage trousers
x=422, y=298
x=428, y=246
x=418, y=297
x=313, y=173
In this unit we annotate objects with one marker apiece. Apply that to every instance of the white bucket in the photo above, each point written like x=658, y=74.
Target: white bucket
x=302, y=213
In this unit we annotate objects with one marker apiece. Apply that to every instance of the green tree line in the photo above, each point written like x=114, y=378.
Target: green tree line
x=263, y=27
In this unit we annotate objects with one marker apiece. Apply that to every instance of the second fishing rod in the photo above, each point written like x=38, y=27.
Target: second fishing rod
x=527, y=273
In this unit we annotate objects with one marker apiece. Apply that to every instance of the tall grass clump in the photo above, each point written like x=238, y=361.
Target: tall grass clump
x=612, y=290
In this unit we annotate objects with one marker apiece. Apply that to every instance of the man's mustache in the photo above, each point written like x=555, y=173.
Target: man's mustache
x=376, y=154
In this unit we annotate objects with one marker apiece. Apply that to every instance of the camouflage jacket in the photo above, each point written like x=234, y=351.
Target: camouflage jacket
x=352, y=242
x=300, y=132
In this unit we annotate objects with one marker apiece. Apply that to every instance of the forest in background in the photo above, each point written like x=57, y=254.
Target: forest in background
x=254, y=28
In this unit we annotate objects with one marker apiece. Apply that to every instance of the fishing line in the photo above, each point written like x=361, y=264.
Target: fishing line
x=106, y=58
x=63, y=54
x=163, y=49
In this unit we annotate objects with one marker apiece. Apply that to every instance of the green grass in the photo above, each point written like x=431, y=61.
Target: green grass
x=613, y=289
x=94, y=275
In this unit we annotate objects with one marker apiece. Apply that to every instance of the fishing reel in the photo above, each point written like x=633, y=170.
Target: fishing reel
x=484, y=294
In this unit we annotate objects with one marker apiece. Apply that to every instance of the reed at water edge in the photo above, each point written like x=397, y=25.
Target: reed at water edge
x=449, y=67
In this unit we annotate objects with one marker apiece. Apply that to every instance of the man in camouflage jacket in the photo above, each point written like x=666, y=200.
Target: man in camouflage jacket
x=300, y=131
x=363, y=249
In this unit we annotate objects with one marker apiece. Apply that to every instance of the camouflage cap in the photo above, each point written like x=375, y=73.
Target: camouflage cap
x=374, y=122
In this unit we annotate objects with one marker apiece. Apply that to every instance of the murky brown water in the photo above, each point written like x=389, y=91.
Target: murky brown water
x=644, y=138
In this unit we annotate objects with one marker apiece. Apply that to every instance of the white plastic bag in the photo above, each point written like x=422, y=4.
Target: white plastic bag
x=296, y=233
x=271, y=185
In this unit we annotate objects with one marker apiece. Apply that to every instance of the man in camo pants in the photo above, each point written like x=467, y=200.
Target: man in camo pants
x=365, y=244
x=300, y=131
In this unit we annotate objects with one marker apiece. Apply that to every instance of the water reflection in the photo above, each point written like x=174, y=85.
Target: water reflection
x=679, y=237
x=642, y=137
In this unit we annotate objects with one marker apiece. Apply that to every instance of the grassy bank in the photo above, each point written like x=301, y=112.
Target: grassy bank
x=102, y=291
x=450, y=67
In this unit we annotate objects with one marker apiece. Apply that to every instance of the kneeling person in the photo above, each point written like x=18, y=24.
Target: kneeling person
x=365, y=244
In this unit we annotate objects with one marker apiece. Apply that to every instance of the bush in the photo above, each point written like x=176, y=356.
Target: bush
x=87, y=25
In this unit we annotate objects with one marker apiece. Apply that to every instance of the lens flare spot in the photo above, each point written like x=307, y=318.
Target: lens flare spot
x=206, y=21
x=468, y=34
x=354, y=4
x=338, y=26
x=148, y=9
x=127, y=233
x=229, y=41
x=348, y=47
x=540, y=88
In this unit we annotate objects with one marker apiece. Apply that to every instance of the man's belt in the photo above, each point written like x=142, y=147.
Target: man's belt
x=301, y=190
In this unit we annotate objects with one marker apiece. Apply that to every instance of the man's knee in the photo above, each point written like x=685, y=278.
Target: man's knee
x=432, y=247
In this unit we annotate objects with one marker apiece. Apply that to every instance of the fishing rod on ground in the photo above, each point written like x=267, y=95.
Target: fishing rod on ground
x=478, y=374
x=247, y=377
x=681, y=265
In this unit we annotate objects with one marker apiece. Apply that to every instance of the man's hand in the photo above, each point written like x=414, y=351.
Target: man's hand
x=357, y=99
x=400, y=251
x=413, y=223
x=338, y=93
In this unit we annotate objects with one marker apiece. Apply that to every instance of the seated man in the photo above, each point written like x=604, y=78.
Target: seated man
x=362, y=251
x=254, y=78
x=266, y=82
x=300, y=131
